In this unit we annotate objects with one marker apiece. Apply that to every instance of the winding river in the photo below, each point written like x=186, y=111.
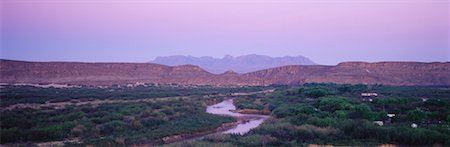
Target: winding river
x=246, y=121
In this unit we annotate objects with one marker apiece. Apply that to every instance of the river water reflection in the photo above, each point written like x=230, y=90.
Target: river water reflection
x=251, y=121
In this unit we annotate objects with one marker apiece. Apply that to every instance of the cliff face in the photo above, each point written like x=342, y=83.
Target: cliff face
x=293, y=74
x=393, y=73
x=113, y=73
x=389, y=73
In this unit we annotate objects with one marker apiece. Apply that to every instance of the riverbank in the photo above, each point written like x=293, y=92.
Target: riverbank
x=199, y=135
x=227, y=108
x=252, y=111
x=243, y=123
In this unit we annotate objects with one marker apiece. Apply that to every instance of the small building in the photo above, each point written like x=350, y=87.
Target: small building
x=368, y=99
x=379, y=123
x=413, y=125
x=369, y=94
x=390, y=115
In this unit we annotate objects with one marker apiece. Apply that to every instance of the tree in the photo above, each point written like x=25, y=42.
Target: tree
x=334, y=103
x=313, y=92
x=348, y=88
x=416, y=115
x=366, y=111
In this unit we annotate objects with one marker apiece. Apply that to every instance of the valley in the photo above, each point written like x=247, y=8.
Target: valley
x=218, y=73
x=170, y=115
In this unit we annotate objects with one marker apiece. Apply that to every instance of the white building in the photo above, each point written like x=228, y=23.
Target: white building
x=369, y=94
x=379, y=123
x=390, y=115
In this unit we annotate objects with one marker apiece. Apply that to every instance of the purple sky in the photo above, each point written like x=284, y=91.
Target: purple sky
x=326, y=31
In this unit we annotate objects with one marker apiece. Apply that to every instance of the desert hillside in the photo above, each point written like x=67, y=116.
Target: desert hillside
x=389, y=73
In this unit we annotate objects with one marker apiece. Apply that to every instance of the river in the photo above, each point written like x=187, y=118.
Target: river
x=246, y=121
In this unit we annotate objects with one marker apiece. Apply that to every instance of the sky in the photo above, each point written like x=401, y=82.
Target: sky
x=326, y=31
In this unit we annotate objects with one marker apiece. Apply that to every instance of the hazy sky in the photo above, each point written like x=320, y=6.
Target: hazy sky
x=326, y=31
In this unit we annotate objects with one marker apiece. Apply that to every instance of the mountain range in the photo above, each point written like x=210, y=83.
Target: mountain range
x=239, y=64
x=388, y=73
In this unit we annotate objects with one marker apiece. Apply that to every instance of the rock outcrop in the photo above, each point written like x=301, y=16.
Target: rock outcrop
x=388, y=73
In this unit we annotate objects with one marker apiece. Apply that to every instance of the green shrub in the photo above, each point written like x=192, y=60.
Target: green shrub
x=313, y=92
x=113, y=126
x=416, y=115
x=332, y=104
x=307, y=133
x=321, y=122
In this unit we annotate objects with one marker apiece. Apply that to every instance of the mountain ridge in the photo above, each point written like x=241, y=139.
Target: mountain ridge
x=82, y=73
x=239, y=64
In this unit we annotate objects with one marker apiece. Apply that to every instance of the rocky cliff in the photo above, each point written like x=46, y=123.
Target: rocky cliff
x=389, y=73
x=105, y=73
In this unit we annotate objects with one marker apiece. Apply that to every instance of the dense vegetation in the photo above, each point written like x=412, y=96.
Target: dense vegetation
x=301, y=115
x=29, y=94
x=110, y=123
x=339, y=115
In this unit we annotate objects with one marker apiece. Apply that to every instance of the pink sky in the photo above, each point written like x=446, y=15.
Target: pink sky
x=327, y=31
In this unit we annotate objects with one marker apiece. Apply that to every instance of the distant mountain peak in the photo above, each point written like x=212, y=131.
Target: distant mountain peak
x=228, y=57
x=230, y=72
x=239, y=64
